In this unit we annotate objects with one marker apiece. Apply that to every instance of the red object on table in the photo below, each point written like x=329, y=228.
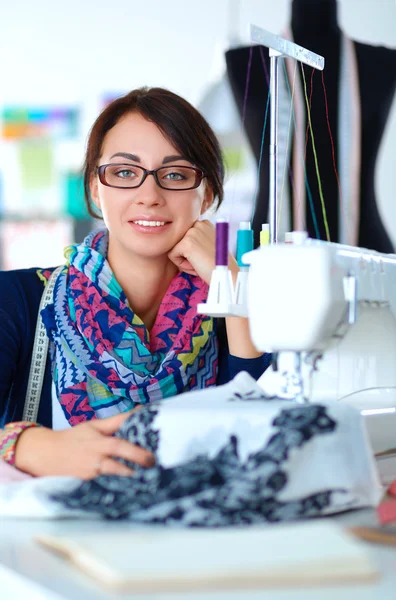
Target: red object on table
x=386, y=511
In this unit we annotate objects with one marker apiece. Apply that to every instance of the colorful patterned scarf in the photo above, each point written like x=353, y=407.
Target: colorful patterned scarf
x=104, y=360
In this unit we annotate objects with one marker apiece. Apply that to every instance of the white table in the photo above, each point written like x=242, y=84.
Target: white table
x=24, y=565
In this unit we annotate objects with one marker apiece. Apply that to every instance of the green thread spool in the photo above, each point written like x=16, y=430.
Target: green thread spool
x=244, y=242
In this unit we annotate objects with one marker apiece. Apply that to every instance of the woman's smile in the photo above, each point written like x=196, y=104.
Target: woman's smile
x=149, y=226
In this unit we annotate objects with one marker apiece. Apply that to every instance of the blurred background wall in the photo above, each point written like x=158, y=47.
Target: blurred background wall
x=62, y=61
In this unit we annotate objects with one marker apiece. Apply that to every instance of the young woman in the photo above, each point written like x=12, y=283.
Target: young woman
x=123, y=325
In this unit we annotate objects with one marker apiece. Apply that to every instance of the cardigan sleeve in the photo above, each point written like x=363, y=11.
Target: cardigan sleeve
x=12, y=318
x=20, y=294
x=230, y=366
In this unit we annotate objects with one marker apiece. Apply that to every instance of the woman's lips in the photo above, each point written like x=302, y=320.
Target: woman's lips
x=155, y=226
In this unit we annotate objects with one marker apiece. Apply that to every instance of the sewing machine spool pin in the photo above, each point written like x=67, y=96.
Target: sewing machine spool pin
x=221, y=296
x=278, y=48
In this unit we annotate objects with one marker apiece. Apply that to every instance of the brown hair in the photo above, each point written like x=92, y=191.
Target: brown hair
x=177, y=119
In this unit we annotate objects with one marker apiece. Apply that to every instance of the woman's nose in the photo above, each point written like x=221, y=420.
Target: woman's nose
x=149, y=192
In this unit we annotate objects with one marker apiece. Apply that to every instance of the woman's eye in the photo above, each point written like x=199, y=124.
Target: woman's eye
x=174, y=176
x=125, y=174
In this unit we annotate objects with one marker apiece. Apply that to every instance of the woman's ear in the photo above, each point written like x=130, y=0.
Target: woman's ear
x=208, y=200
x=94, y=189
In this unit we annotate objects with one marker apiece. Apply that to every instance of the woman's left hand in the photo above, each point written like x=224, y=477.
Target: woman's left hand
x=196, y=252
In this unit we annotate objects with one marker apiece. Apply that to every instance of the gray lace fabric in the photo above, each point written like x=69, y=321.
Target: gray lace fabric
x=232, y=456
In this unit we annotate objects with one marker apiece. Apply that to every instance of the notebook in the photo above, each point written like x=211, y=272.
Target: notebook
x=163, y=559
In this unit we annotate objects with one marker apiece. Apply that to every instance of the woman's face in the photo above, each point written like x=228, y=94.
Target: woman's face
x=136, y=141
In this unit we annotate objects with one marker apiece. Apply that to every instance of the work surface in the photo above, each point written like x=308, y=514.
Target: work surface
x=30, y=571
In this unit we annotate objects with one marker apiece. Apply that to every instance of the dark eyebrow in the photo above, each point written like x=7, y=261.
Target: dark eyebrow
x=135, y=158
x=126, y=155
x=172, y=158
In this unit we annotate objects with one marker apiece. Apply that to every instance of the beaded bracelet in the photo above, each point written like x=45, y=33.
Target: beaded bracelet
x=8, y=439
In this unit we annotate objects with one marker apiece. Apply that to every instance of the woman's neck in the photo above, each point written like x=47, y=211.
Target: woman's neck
x=314, y=17
x=143, y=280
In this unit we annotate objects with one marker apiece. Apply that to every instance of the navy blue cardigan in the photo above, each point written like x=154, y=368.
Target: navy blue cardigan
x=20, y=295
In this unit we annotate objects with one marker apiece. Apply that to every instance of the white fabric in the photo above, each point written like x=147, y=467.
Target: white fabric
x=312, y=457
x=203, y=423
x=30, y=499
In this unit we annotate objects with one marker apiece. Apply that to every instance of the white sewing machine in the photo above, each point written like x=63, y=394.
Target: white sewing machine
x=327, y=312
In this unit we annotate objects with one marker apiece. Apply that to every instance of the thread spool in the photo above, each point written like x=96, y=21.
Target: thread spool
x=222, y=230
x=264, y=234
x=245, y=242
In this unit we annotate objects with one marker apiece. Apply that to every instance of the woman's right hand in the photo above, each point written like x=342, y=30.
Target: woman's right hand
x=85, y=450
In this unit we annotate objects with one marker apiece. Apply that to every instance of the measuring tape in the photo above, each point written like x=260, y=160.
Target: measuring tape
x=39, y=355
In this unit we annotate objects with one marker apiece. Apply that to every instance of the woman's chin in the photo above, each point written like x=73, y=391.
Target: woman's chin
x=150, y=252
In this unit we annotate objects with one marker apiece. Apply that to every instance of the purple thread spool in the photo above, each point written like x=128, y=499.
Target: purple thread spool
x=222, y=243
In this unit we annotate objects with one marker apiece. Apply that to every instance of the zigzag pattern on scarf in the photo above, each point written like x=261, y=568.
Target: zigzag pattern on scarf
x=180, y=304
x=104, y=359
x=202, y=374
x=76, y=406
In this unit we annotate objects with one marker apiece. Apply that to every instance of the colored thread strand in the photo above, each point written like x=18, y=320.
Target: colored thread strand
x=245, y=97
x=315, y=158
x=312, y=206
x=310, y=106
x=262, y=146
x=288, y=139
x=308, y=188
x=267, y=77
x=333, y=152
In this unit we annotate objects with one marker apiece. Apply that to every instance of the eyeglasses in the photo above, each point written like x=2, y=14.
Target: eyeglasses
x=132, y=176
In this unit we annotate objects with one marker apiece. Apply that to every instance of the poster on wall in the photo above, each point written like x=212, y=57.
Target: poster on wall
x=33, y=158
x=56, y=123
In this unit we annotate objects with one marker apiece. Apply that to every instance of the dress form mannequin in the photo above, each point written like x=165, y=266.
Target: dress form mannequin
x=314, y=26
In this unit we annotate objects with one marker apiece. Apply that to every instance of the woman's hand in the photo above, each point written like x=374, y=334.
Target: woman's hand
x=85, y=451
x=196, y=252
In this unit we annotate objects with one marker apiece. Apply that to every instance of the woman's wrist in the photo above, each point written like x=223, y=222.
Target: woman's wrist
x=32, y=444
x=9, y=437
x=239, y=341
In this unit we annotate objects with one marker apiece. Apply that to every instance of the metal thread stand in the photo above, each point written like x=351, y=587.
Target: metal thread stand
x=279, y=47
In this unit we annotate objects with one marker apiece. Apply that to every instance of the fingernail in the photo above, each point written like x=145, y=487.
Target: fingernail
x=150, y=460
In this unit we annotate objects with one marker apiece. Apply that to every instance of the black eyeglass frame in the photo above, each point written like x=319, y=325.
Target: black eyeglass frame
x=101, y=171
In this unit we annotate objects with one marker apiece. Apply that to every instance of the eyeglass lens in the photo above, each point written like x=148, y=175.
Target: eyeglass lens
x=172, y=177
